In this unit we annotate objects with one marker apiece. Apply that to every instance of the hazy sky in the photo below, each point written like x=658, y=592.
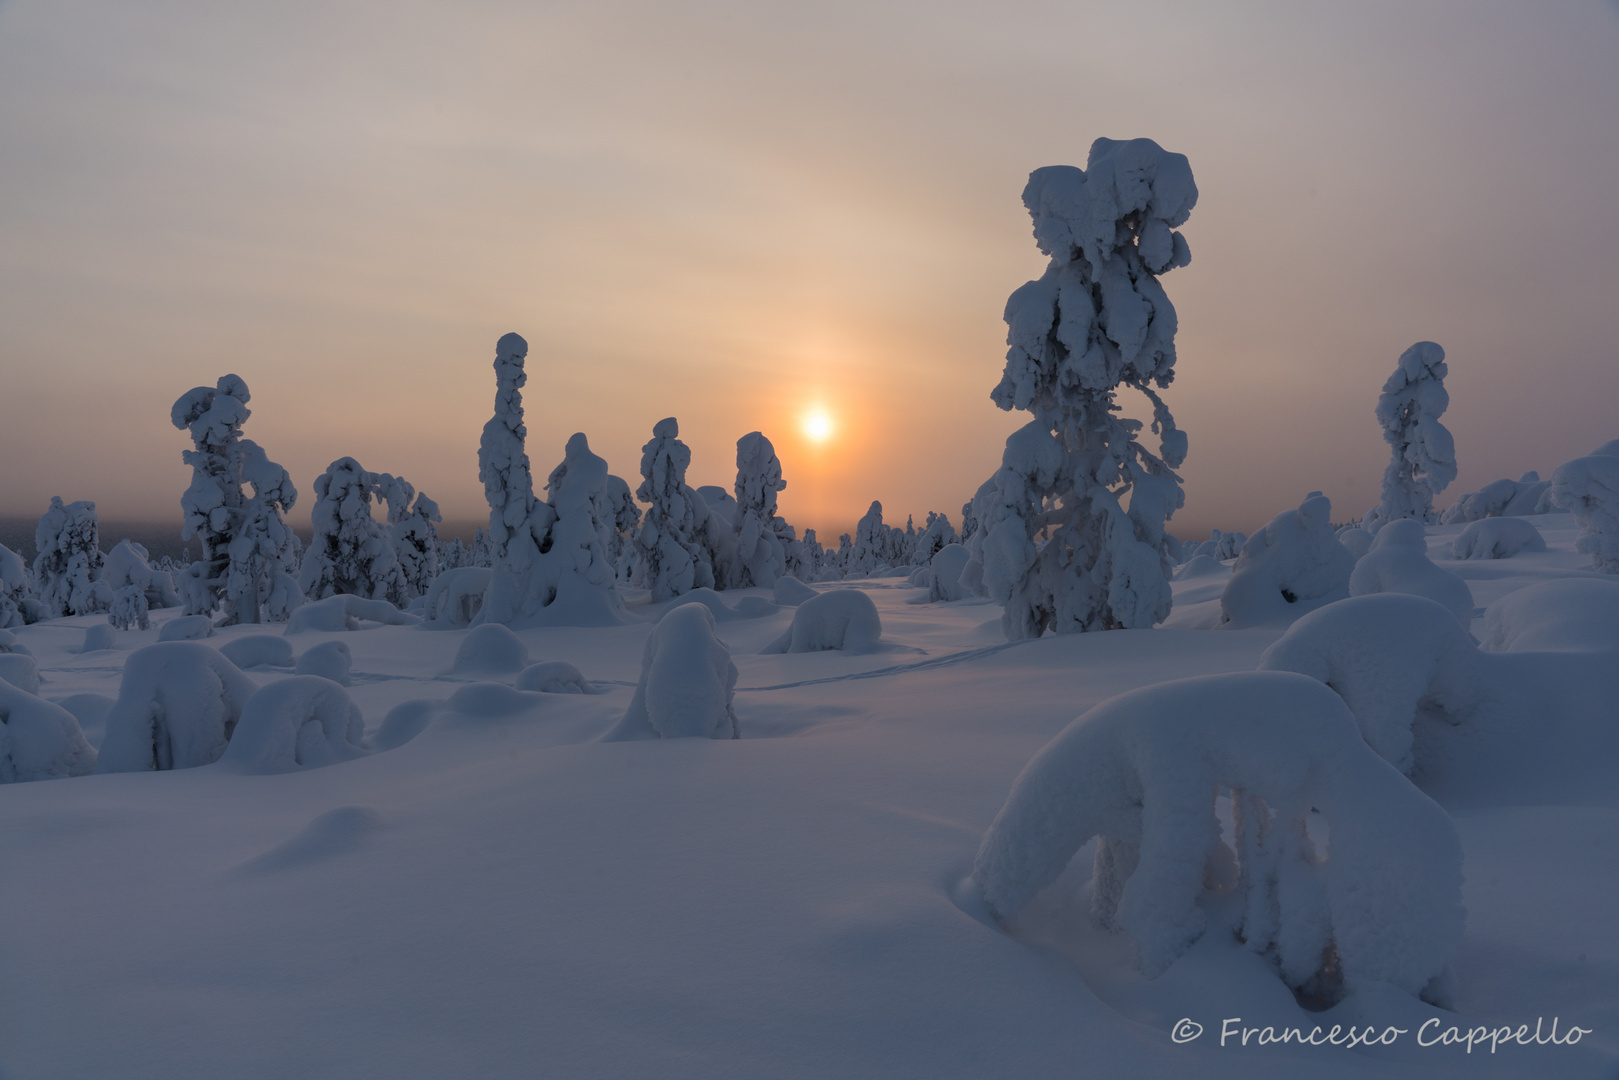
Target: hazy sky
x=731, y=212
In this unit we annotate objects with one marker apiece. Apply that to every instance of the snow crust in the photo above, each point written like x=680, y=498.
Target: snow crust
x=843, y=619
x=178, y=703
x=1141, y=771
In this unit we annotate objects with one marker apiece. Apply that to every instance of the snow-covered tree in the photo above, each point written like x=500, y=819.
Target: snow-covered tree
x=1055, y=542
x=248, y=553
x=1423, y=458
x=550, y=565
x=351, y=553
x=814, y=558
x=130, y=610
x=412, y=521
x=67, y=566
x=1588, y=487
x=761, y=556
x=934, y=538
x=13, y=588
x=871, y=543
x=620, y=517
x=673, y=560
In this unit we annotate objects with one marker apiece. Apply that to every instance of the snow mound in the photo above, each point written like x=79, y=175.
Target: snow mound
x=329, y=660
x=186, y=628
x=687, y=682
x=1497, y=538
x=1398, y=563
x=1503, y=498
x=344, y=612
x=843, y=619
x=944, y=574
x=39, y=740
x=258, y=650
x=302, y=722
x=99, y=638
x=755, y=607
x=1142, y=771
x=487, y=699
x=1356, y=539
x=707, y=597
x=790, y=592
x=1565, y=615
x=10, y=644
x=20, y=670
x=455, y=597
x=1199, y=566
x=1588, y=487
x=1291, y=566
x=337, y=833
x=1386, y=656
x=177, y=706
x=553, y=677
x=491, y=649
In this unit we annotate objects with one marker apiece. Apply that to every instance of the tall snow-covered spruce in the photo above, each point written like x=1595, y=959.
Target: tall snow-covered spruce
x=761, y=555
x=1423, y=459
x=551, y=567
x=1055, y=543
x=673, y=560
x=249, y=555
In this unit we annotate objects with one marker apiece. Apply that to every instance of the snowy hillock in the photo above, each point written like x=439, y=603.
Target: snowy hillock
x=1293, y=565
x=1497, y=538
x=1565, y=614
x=843, y=619
x=687, y=682
x=1141, y=772
x=299, y=723
x=178, y=703
x=39, y=740
x=1526, y=496
x=1398, y=563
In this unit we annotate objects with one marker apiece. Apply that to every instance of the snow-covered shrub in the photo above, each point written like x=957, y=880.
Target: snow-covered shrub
x=67, y=565
x=710, y=599
x=1588, y=487
x=1562, y=615
x=455, y=596
x=329, y=660
x=687, y=682
x=1221, y=546
x=412, y=528
x=177, y=706
x=248, y=551
x=1293, y=565
x=344, y=612
x=39, y=740
x=129, y=610
x=128, y=563
x=1355, y=539
x=186, y=628
x=1398, y=563
x=99, y=637
x=673, y=559
x=1141, y=772
x=1528, y=495
x=843, y=619
x=490, y=649
x=944, y=578
x=1387, y=656
x=351, y=553
x=1423, y=455
x=299, y=723
x=553, y=677
x=21, y=670
x=761, y=556
x=258, y=650
x=1066, y=553
x=791, y=592
x=13, y=588
x=1497, y=538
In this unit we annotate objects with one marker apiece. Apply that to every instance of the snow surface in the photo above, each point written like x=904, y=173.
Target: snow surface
x=501, y=893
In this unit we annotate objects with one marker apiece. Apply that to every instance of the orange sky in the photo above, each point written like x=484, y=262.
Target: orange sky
x=729, y=212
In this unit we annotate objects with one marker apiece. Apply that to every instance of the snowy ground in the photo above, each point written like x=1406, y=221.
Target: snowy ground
x=503, y=895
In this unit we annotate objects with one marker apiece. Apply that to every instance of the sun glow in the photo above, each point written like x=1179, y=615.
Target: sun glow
x=817, y=426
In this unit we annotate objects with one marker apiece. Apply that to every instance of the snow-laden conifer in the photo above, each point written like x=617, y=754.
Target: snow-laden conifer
x=350, y=553
x=67, y=563
x=673, y=559
x=412, y=527
x=761, y=554
x=13, y=588
x=1423, y=455
x=871, y=546
x=1069, y=555
x=1588, y=487
x=249, y=555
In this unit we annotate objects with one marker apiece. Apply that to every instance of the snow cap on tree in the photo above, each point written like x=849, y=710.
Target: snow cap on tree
x=1423, y=461
x=1097, y=320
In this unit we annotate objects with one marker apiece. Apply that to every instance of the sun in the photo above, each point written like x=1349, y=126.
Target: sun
x=818, y=426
